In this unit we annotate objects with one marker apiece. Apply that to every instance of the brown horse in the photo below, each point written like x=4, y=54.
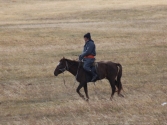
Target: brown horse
x=109, y=70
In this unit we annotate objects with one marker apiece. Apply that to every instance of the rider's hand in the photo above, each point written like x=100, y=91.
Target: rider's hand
x=80, y=58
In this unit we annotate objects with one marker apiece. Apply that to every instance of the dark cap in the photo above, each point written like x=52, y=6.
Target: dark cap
x=87, y=36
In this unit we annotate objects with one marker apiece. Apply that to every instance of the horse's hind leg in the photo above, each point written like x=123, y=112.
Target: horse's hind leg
x=119, y=90
x=112, y=83
x=86, y=91
x=78, y=90
x=119, y=87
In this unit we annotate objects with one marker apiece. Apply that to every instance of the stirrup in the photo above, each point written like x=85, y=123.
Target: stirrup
x=94, y=78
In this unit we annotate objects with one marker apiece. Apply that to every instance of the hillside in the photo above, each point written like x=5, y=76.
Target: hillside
x=35, y=35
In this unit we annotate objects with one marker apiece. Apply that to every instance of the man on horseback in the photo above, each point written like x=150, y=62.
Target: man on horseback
x=88, y=56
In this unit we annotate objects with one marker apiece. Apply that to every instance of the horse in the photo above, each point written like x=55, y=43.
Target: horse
x=109, y=70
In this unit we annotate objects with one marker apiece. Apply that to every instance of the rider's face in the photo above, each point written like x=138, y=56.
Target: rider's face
x=86, y=39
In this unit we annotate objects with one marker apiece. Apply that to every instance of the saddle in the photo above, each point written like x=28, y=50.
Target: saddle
x=93, y=67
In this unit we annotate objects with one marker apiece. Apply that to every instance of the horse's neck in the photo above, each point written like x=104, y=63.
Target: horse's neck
x=73, y=69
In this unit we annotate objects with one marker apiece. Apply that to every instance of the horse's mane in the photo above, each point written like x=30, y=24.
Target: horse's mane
x=74, y=61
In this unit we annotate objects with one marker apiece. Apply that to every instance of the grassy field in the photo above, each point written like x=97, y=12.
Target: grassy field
x=36, y=34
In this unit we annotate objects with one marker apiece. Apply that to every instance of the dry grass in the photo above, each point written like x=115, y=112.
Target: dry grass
x=36, y=34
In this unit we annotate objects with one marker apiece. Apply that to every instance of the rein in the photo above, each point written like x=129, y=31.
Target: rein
x=66, y=68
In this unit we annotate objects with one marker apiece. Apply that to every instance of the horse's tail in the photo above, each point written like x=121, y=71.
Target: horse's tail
x=118, y=81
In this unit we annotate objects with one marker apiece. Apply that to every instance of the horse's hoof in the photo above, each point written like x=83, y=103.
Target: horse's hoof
x=82, y=96
x=111, y=98
x=120, y=95
x=87, y=99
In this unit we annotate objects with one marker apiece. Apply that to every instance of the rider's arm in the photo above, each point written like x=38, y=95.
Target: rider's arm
x=89, y=49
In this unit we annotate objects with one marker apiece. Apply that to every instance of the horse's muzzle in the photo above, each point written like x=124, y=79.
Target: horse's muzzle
x=55, y=74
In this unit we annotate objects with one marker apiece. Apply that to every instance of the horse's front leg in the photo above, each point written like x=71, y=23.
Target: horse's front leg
x=86, y=92
x=78, y=90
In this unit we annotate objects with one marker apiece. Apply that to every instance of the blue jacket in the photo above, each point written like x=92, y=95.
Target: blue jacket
x=89, y=49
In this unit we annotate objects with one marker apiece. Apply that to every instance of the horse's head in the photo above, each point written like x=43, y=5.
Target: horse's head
x=61, y=67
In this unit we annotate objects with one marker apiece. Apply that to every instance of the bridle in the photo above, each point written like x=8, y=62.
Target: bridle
x=66, y=68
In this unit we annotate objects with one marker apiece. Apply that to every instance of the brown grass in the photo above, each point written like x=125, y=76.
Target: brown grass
x=35, y=35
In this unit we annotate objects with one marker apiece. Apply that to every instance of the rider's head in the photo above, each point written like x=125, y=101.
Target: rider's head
x=87, y=37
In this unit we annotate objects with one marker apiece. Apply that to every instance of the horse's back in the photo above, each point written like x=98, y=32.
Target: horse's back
x=101, y=69
x=106, y=63
x=107, y=67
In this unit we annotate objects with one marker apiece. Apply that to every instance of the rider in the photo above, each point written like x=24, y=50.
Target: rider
x=88, y=56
